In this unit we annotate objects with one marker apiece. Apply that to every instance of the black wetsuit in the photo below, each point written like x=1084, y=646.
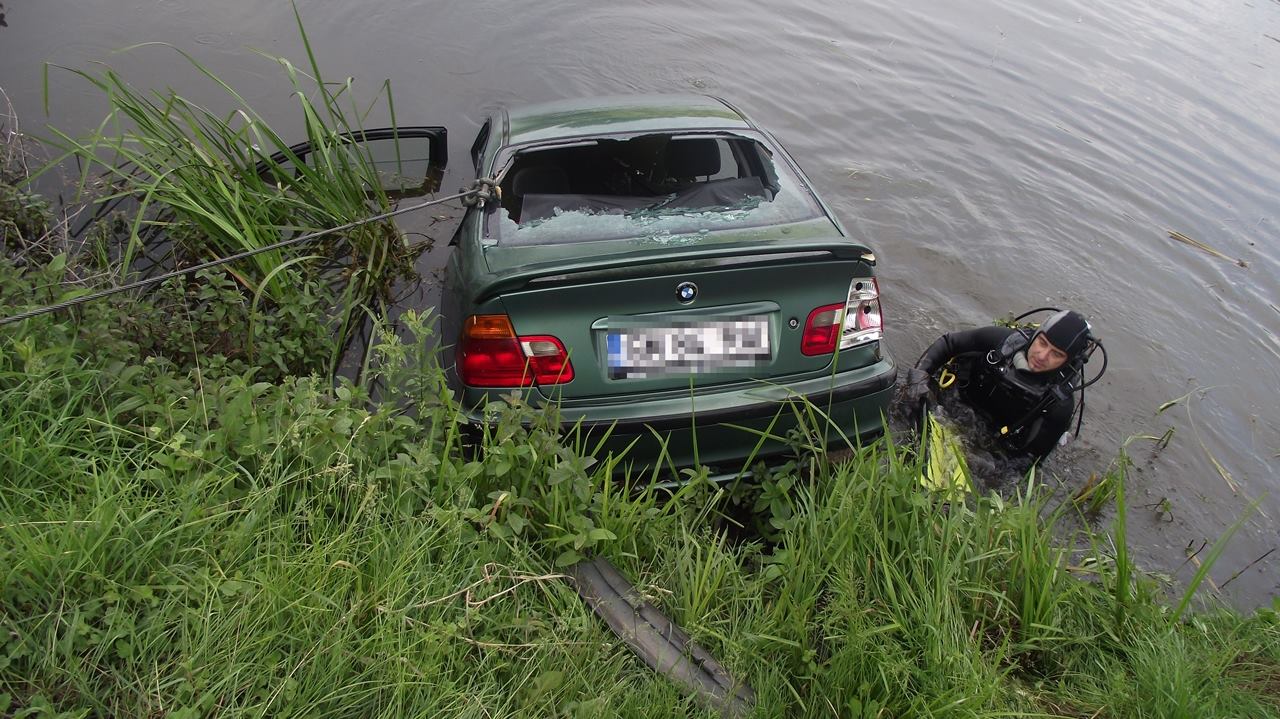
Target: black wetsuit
x=1035, y=407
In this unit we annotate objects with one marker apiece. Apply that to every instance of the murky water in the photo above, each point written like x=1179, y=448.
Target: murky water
x=998, y=158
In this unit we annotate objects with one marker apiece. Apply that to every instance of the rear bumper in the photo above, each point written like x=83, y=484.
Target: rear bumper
x=745, y=406
x=722, y=429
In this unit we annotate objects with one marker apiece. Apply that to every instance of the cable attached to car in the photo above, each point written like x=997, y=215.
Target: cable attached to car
x=480, y=191
x=468, y=196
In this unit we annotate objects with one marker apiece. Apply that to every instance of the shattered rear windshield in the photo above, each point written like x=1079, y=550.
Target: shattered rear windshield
x=656, y=185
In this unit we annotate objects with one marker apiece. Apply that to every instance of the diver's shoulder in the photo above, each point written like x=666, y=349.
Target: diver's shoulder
x=991, y=334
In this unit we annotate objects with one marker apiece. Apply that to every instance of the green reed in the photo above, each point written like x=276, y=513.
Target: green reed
x=218, y=179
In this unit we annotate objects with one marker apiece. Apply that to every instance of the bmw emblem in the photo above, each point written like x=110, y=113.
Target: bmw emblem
x=686, y=292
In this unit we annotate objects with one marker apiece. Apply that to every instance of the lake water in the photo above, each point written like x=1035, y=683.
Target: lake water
x=997, y=156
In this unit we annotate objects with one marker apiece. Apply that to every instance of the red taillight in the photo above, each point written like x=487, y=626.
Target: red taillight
x=857, y=321
x=822, y=330
x=548, y=359
x=491, y=355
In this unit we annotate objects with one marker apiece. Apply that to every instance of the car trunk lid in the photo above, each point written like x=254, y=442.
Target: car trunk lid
x=665, y=321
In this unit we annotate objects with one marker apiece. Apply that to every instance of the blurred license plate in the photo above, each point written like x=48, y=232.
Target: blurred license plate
x=696, y=347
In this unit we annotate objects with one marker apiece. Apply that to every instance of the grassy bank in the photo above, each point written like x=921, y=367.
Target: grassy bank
x=184, y=539
x=168, y=183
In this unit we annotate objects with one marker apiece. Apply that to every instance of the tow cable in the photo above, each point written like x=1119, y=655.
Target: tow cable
x=479, y=192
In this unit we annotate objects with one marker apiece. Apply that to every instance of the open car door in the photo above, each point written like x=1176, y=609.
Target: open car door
x=408, y=161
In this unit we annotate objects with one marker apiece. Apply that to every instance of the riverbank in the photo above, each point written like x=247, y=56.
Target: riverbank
x=184, y=539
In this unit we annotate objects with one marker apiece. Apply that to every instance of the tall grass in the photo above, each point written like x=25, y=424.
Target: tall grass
x=217, y=181
x=239, y=548
x=195, y=543
x=887, y=602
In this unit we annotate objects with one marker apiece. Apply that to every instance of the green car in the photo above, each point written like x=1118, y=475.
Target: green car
x=661, y=268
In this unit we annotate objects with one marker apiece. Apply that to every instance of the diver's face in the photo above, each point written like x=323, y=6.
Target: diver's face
x=1042, y=356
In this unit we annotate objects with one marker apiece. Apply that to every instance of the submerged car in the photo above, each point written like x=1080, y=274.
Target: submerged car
x=661, y=268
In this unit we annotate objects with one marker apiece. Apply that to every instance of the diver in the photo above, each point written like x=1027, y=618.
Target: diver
x=1021, y=380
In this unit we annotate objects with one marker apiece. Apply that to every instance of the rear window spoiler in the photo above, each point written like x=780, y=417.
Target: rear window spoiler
x=627, y=265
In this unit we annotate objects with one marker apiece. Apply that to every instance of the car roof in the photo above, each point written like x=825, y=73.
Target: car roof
x=619, y=115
